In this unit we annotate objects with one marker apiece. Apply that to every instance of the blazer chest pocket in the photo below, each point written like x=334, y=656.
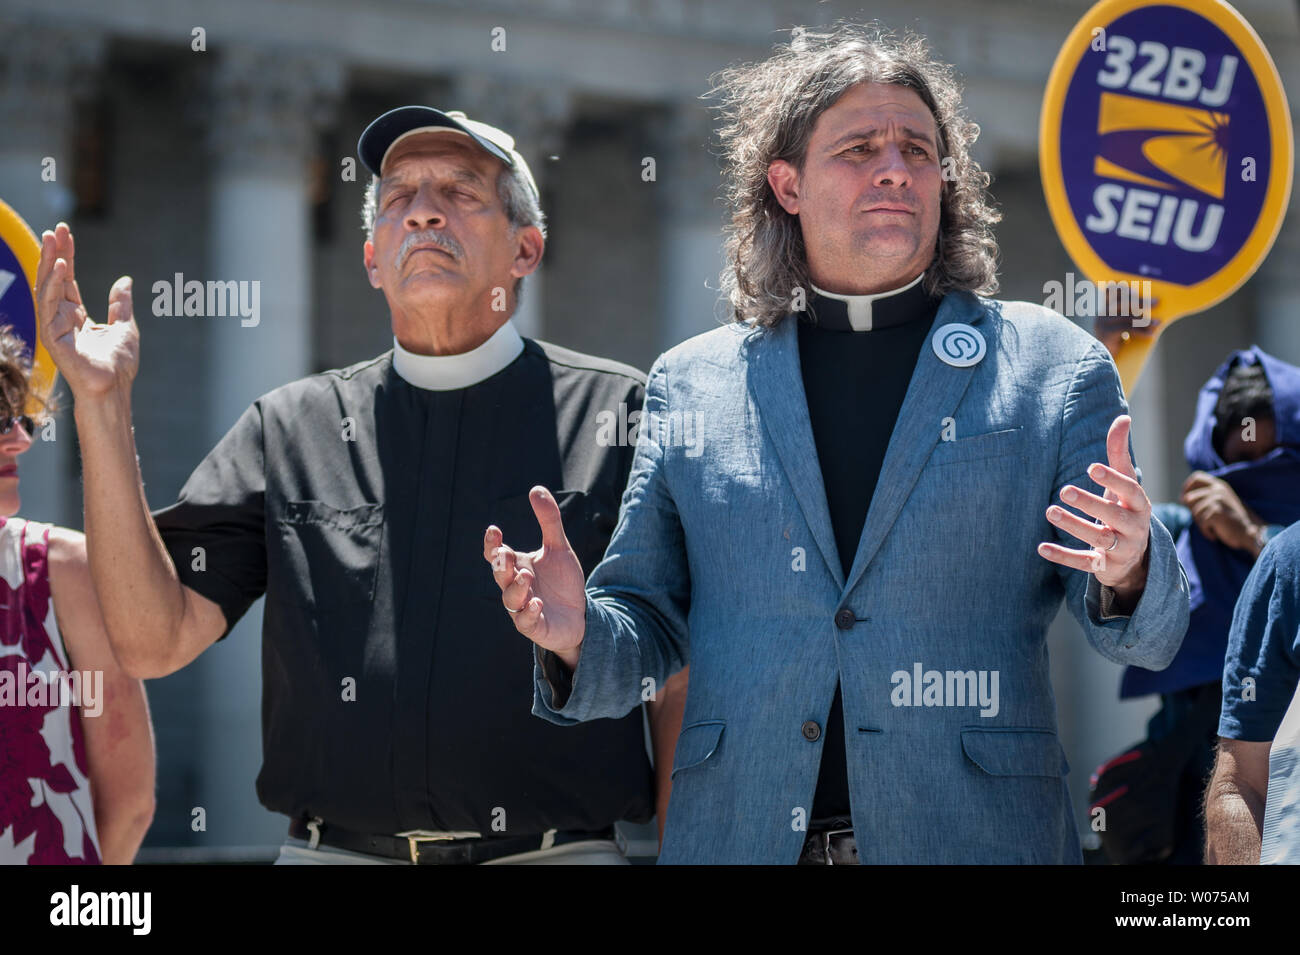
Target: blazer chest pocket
x=697, y=743
x=336, y=549
x=1014, y=751
x=990, y=445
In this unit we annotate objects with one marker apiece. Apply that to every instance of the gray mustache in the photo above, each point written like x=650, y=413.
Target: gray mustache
x=428, y=237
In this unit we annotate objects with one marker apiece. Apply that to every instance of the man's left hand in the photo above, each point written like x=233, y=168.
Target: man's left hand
x=1220, y=514
x=1117, y=540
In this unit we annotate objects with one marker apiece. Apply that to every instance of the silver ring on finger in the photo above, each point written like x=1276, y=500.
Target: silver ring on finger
x=520, y=610
x=1114, y=534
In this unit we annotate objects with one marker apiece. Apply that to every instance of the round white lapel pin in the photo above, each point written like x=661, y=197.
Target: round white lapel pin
x=959, y=345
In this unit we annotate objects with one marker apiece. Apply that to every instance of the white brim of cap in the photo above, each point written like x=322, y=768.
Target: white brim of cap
x=519, y=162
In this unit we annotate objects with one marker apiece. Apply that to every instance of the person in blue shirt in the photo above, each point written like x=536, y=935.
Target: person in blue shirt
x=1260, y=676
x=1244, y=452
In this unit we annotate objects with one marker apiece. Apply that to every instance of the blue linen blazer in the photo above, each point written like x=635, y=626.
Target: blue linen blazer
x=724, y=558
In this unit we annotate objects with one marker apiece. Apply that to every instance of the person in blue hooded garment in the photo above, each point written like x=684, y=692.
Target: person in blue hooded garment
x=1244, y=489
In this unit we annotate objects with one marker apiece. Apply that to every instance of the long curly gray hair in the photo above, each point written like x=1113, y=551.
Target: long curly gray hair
x=769, y=109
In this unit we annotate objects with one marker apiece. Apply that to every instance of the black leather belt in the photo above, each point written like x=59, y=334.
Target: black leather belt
x=421, y=848
x=830, y=842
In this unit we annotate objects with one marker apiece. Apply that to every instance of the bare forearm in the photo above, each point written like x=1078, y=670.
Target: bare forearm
x=1234, y=823
x=139, y=593
x=120, y=749
x=122, y=830
x=122, y=780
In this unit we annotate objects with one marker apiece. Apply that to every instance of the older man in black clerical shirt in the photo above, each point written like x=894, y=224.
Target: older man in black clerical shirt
x=396, y=724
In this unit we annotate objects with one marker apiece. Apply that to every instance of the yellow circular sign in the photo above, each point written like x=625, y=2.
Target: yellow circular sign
x=20, y=251
x=1165, y=148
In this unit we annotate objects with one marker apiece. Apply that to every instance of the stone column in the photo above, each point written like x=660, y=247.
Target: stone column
x=265, y=109
x=535, y=114
x=1277, y=295
x=689, y=191
x=44, y=69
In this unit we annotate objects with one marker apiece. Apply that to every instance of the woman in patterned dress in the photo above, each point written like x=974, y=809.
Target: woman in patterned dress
x=76, y=747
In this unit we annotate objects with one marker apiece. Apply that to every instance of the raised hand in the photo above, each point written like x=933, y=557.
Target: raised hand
x=94, y=358
x=1114, y=332
x=543, y=590
x=1118, y=538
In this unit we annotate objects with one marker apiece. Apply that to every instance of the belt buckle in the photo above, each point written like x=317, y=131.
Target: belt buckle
x=414, y=837
x=313, y=826
x=826, y=842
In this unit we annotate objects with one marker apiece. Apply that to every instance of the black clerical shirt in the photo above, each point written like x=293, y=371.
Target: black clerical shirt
x=397, y=695
x=855, y=382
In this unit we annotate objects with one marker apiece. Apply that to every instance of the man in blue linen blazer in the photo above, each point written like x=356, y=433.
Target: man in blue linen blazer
x=701, y=568
x=725, y=558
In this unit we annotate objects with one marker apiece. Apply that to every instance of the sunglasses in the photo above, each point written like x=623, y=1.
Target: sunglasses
x=25, y=421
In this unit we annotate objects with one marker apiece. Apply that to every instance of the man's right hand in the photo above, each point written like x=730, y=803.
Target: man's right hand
x=95, y=359
x=543, y=590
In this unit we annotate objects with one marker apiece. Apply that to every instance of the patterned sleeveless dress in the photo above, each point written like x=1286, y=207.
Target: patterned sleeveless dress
x=46, y=816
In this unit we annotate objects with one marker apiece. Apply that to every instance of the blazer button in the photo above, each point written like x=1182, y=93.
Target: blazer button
x=845, y=619
x=811, y=731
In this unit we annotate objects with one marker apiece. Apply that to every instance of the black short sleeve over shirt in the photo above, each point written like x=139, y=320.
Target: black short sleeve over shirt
x=357, y=503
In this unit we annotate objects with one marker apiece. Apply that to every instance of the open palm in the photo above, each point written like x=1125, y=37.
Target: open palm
x=544, y=590
x=94, y=358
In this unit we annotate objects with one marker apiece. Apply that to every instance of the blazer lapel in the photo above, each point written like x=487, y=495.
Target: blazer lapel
x=935, y=391
x=776, y=387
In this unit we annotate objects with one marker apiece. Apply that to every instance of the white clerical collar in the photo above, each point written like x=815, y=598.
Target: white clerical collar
x=859, y=306
x=449, y=372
